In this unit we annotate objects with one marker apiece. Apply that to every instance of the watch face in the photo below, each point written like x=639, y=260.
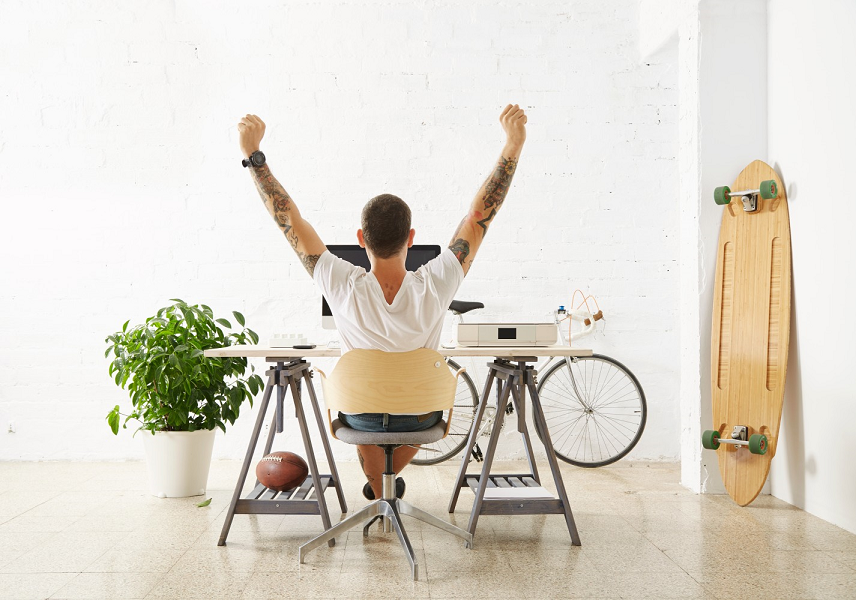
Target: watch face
x=258, y=158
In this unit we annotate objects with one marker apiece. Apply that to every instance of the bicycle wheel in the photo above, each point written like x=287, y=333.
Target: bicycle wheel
x=594, y=408
x=466, y=402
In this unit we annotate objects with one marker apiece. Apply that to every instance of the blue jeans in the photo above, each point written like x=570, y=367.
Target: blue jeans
x=375, y=421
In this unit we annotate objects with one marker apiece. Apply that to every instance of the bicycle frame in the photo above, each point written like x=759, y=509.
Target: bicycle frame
x=580, y=315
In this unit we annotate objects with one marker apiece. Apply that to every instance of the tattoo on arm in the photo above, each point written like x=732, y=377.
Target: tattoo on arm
x=496, y=188
x=279, y=204
x=486, y=221
x=461, y=248
x=309, y=261
x=275, y=198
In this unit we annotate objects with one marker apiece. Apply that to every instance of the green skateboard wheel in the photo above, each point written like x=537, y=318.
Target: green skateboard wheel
x=769, y=189
x=758, y=444
x=710, y=439
x=722, y=195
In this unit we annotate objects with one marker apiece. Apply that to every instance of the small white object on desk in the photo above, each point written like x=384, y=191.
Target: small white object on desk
x=507, y=334
x=517, y=493
x=287, y=340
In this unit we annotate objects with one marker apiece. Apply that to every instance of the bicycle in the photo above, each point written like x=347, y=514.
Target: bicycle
x=594, y=406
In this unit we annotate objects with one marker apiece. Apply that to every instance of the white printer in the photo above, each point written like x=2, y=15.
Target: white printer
x=507, y=334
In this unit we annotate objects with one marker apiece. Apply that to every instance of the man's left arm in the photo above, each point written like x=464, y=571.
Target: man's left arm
x=299, y=233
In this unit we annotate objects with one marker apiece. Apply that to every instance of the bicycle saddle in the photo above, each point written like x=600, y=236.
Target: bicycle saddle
x=460, y=307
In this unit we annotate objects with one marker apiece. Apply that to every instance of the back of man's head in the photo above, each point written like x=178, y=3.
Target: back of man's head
x=386, y=225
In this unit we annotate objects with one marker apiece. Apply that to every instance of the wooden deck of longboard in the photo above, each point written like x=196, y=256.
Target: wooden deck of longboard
x=751, y=327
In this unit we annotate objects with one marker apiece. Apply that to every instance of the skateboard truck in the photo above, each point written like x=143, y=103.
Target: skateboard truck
x=767, y=191
x=757, y=443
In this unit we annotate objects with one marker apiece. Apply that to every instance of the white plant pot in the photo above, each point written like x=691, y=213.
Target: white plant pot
x=178, y=462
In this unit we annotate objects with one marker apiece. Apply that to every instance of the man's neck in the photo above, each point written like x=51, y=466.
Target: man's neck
x=390, y=273
x=389, y=269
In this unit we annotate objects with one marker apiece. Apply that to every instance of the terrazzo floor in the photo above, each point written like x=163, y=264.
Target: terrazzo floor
x=90, y=530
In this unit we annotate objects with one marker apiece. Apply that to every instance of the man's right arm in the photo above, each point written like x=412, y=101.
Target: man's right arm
x=472, y=229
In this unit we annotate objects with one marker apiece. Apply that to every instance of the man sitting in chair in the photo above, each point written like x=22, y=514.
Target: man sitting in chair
x=387, y=308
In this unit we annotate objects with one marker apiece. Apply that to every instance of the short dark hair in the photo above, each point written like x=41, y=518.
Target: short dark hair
x=386, y=225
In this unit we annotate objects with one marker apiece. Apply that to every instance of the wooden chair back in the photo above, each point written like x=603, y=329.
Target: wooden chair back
x=374, y=381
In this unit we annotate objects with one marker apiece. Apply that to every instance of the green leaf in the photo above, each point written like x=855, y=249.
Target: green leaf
x=113, y=420
x=179, y=300
x=253, y=336
x=125, y=326
x=224, y=323
x=238, y=317
x=204, y=503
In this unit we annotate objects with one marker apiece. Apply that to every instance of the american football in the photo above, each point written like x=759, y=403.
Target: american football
x=281, y=471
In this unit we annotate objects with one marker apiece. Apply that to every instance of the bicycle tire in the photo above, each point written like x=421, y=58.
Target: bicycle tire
x=466, y=403
x=622, y=413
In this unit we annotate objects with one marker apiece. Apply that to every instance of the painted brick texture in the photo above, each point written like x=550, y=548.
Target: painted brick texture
x=121, y=184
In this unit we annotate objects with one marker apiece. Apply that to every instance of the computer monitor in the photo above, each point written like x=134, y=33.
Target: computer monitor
x=417, y=255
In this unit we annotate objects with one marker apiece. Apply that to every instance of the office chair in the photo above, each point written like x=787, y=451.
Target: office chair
x=373, y=381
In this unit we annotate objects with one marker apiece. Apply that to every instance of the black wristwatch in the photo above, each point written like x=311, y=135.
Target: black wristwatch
x=256, y=159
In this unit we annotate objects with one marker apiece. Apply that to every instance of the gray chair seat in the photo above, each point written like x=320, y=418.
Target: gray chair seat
x=354, y=436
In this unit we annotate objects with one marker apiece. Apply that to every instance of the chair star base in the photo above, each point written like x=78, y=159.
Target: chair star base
x=390, y=510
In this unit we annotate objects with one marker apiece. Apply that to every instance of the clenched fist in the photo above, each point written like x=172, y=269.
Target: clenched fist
x=513, y=121
x=251, y=130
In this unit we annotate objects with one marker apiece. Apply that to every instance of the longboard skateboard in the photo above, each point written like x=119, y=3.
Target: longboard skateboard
x=751, y=327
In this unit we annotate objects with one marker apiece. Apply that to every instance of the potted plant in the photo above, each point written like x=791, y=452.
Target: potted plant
x=178, y=395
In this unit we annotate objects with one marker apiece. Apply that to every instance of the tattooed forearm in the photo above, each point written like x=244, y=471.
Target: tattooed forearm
x=287, y=216
x=276, y=200
x=496, y=188
x=461, y=248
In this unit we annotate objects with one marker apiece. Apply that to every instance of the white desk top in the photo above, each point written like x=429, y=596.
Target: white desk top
x=324, y=352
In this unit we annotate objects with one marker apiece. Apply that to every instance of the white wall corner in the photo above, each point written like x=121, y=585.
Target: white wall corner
x=733, y=56
x=689, y=176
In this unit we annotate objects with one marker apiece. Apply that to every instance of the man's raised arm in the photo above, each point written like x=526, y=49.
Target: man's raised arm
x=472, y=229
x=281, y=207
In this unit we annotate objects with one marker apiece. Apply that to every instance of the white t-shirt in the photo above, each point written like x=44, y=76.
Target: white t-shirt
x=365, y=319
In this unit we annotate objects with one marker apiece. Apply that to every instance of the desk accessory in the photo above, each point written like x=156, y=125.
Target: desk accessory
x=507, y=334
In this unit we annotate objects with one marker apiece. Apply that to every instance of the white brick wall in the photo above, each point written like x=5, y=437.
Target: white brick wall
x=121, y=185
